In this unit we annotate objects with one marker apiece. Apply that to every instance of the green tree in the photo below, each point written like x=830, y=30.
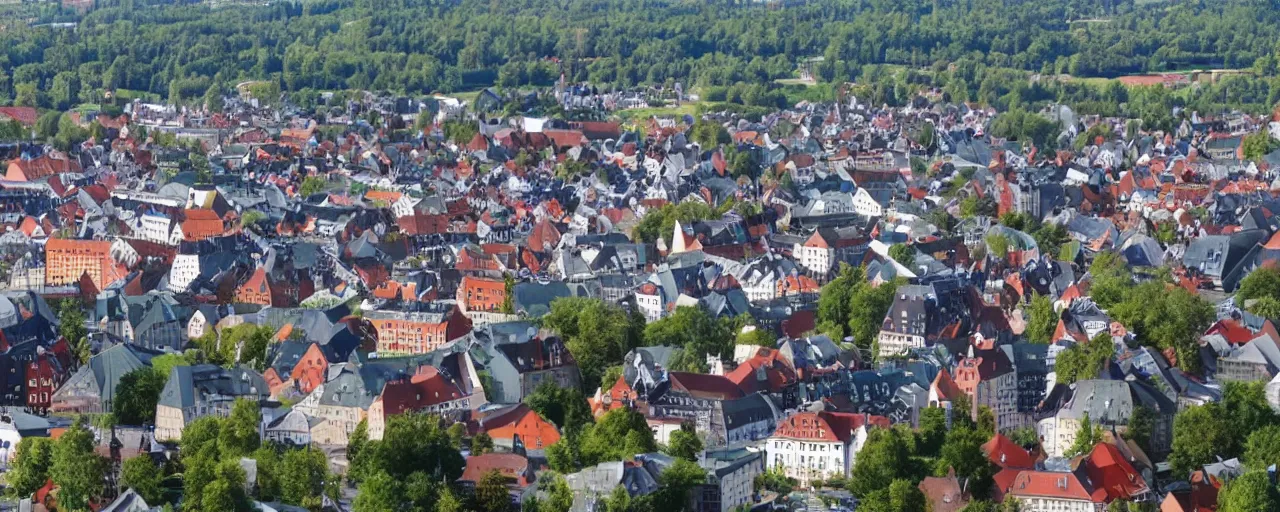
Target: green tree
x=904, y=254
x=31, y=464
x=491, y=493
x=619, y=435
x=962, y=450
x=685, y=443
x=998, y=245
x=1257, y=145
x=1266, y=307
x=164, y=364
x=900, y=496
x=1249, y=492
x=411, y=442
x=456, y=432
x=305, y=471
x=71, y=327
x=312, y=185
x=144, y=477
x=694, y=330
x=675, y=484
x=481, y=444
x=1263, y=282
x=239, y=434
x=508, y=294
x=1200, y=435
x=1042, y=320
x=1142, y=425
x=882, y=460
x=833, y=301
x=76, y=469
x=1084, y=361
x=1262, y=449
x=137, y=395
x=566, y=407
x=708, y=134
x=932, y=432
x=359, y=438
x=379, y=492
x=597, y=334
x=1087, y=435
x=65, y=90
x=867, y=307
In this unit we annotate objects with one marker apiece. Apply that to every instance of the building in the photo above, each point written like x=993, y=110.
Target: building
x=517, y=369
x=292, y=428
x=816, y=254
x=904, y=326
x=428, y=391
x=988, y=378
x=203, y=390
x=731, y=475
x=200, y=224
x=92, y=387
x=40, y=167
x=66, y=260
x=417, y=331
x=811, y=446
x=506, y=425
x=480, y=294
x=1044, y=491
x=342, y=402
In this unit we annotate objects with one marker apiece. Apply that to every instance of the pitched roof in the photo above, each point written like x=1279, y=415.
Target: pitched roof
x=1046, y=484
x=1005, y=453
x=1111, y=473
x=715, y=387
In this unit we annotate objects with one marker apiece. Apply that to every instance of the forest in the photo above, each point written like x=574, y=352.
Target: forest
x=179, y=50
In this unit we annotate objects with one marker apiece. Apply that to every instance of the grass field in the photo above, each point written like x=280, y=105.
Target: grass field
x=690, y=108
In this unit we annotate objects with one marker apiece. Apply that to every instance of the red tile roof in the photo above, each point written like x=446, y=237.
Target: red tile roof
x=1112, y=475
x=25, y=115
x=1045, y=484
x=1005, y=453
x=714, y=387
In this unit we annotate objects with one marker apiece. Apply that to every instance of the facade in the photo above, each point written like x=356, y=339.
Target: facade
x=480, y=294
x=1043, y=491
x=203, y=390
x=904, y=326
x=815, y=255
x=185, y=269
x=416, y=332
x=425, y=392
x=989, y=380
x=67, y=260
x=519, y=422
x=811, y=446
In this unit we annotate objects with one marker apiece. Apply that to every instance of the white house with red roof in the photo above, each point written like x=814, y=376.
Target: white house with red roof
x=811, y=446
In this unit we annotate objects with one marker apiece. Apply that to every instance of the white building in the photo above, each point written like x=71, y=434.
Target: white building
x=812, y=446
x=154, y=228
x=816, y=254
x=185, y=269
x=1044, y=491
x=866, y=205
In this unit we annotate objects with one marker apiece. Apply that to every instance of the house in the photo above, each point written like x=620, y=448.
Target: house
x=40, y=167
x=417, y=329
x=427, y=391
x=200, y=224
x=731, y=474
x=203, y=390
x=92, y=387
x=593, y=483
x=944, y=494
x=480, y=294
x=342, y=401
x=1257, y=360
x=292, y=428
x=904, y=326
x=514, y=468
x=1045, y=491
x=811, y=446
x=506, y=425
x=66, y=260
x=988, y=377
x=1109, y=404
x=518, y=369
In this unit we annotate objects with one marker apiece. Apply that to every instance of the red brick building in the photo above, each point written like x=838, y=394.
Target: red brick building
x=480, y=294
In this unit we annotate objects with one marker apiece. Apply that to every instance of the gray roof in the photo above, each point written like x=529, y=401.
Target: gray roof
x=189, y=385
x=1107, y=402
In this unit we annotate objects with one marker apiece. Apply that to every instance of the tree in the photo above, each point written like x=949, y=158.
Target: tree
x=71, y=327
x=481, y=444
x=239, y=434
x=1262, y=449
x=1084, y=361
x=1249, y=492
x=998, y=245
x=1166, y=317
x=566, y=407
x=1257, y=145
x=359, y=438
x=619, y=435
x=1087, y=435
x=932, y=431
x=379, y=492
x=1142, y=425
x=508, y=294
x=867, y=307
x=904, y=254
x=65, y=90
x=597, y=334
x=456, y=432
x=1042, y=320
x=411, y=442
x=675, y=483
x=962, y=451
x=833, y=301
x=31, y=464
x=144, y=477
x=491, y=492
x=76, y=469
x=901, y=496
x=164, y=364
x=1266, y=307
x=685, y=443
x=1246, y=405
x=305, y=471
x=1200, y=435
x=1263, y=282
x=776, y=481
x=708, y=134
x=312, y=185
x=881, y=461
x=268, y=458
x=136, y=396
